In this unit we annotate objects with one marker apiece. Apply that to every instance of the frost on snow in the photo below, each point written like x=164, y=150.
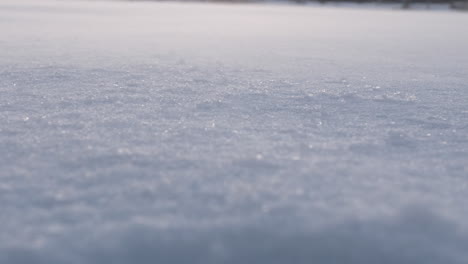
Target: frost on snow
x=210, y=133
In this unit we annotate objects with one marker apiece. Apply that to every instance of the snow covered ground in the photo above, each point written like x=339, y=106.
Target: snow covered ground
x=210, y=133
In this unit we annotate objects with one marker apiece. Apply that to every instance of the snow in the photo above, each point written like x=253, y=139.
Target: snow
x=213, y=133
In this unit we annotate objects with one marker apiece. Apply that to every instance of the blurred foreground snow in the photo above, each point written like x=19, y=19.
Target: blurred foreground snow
x=202, y=133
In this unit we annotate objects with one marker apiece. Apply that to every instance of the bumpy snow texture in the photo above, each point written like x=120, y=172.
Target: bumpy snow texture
x=209, y=133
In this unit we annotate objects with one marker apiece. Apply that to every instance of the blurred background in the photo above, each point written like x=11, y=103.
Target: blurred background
x=403, y=4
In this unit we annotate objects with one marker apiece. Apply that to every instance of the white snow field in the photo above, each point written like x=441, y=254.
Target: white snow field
x=143, y=132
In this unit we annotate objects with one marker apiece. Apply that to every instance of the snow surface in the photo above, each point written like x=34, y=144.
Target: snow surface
x=211, y=133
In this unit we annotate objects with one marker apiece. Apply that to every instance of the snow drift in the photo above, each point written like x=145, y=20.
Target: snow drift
x=203, y=133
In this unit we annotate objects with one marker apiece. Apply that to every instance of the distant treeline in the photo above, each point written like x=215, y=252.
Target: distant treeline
x=380, y=1
x=455, y=4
